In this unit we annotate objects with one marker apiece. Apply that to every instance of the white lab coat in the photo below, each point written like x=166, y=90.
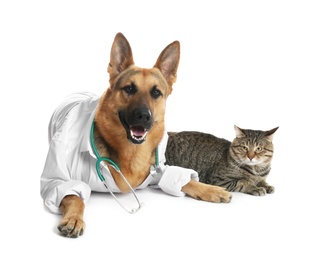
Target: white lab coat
x=70, y=164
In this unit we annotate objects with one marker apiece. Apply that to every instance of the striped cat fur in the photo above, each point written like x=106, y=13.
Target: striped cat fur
x=239, y=166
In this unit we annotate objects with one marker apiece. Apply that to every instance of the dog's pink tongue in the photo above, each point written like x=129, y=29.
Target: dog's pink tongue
x=138, y=130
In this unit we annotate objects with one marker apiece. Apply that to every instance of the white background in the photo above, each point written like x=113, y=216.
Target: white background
x=256, y=64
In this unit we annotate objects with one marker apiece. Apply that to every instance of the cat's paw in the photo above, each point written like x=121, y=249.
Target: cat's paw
x=270, y=189
x=258, y=191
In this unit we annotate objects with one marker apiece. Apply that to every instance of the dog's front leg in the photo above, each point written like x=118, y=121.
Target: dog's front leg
x=72, y=224
x=206, y=192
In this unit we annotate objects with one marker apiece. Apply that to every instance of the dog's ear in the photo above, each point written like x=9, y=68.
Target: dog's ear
x=121, y=56
x=168, y=62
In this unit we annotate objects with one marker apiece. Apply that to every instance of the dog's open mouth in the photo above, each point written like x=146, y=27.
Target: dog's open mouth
x=138, y=133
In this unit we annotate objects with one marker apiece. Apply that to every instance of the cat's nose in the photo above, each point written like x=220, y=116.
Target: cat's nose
x=251, y=156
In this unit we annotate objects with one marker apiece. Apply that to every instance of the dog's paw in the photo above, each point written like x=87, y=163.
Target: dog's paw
x=215, y=194
x=206, y=192
x=72, y=227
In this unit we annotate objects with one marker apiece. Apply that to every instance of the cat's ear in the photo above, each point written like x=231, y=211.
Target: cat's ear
x=239, y=131
x=269, y=134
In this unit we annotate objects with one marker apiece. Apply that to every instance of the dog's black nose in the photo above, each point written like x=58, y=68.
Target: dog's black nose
x=142, y=115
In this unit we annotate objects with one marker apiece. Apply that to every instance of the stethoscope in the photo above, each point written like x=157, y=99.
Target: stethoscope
x=117, y=168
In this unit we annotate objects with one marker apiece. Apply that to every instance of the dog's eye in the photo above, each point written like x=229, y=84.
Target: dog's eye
x=155, y=92
x=130, y=89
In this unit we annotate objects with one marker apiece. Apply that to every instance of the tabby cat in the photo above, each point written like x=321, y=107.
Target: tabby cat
x=239, y=166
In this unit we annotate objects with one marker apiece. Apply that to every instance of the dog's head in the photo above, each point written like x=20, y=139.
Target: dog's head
x=136, y=97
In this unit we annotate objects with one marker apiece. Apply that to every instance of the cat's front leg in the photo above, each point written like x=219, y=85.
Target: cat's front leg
x=251, y=188
x=245, y=186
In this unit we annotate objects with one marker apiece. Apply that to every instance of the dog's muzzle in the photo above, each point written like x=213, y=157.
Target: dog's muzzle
x=137, y=123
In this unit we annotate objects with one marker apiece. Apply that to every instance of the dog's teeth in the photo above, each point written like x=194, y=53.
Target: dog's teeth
x=138, y=138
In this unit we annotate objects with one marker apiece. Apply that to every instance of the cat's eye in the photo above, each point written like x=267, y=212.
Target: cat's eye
x=258, y=149
x=245, y=148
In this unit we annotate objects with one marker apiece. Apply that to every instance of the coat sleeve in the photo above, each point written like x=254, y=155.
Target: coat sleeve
x=173, y=178
x=56, y=181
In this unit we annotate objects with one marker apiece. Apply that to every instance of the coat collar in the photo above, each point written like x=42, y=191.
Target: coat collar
x=86, y=142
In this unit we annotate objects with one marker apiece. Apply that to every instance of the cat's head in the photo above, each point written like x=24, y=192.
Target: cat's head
x=253, y=147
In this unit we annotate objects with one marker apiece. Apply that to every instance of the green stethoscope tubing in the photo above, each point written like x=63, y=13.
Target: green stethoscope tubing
x=99, y=158
x=117, y=168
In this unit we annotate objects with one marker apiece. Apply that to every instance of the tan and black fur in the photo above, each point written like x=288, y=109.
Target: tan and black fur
x=132, y=109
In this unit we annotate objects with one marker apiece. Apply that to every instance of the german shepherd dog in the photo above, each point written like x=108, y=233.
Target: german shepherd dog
x=129, y=125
